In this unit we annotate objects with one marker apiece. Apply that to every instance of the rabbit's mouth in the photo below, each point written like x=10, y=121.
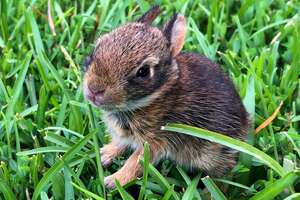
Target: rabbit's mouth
x=98, y=97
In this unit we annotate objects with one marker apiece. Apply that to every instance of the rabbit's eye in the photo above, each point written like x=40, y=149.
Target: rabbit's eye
x=143, y=72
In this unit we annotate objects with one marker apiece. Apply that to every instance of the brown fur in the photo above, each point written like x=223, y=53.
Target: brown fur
x=149, y=16
x=185, y=88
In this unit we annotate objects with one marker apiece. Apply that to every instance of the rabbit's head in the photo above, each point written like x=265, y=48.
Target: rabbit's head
x=132, y=65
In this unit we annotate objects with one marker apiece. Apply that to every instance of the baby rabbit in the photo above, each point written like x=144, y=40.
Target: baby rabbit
x=140, y=78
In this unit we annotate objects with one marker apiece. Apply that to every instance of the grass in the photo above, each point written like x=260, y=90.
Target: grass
x=49, y=134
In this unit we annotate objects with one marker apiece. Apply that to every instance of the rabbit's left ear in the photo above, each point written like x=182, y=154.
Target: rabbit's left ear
x=174, y=31
x=150, y=15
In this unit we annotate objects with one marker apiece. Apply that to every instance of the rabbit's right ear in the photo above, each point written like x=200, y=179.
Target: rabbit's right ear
x=174, y=31
x=150, y=15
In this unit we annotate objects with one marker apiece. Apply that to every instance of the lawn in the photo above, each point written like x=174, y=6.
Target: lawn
x=50, y=135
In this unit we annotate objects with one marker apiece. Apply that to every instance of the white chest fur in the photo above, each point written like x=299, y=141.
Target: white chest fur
x=113, y=125
x=118, y=133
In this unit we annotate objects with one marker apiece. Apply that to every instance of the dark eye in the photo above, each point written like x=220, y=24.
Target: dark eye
x=86, y=63
x=143, y=72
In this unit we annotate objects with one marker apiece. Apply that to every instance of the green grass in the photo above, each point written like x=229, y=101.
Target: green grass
x=50, y=135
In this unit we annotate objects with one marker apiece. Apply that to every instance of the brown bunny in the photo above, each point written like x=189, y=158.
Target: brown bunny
x=140, y=78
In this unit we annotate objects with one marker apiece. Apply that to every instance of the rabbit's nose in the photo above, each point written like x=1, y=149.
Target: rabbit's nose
x=96, y=90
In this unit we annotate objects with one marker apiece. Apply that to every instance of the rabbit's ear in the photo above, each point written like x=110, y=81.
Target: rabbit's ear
x=174, y=31
x=150, y=15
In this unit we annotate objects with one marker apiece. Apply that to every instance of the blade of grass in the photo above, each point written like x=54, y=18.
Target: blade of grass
x=146, y=170
x=59, y=165
x=191, y=190
x=125, y=195
x=98, y=162
x=227, y=141
x=88, y=193
x=277, y=23
x=295, y=196
x=47, y=149
x=75, y=111
x=58, y=139
x=34, y=169
x=55, y=128
x=213, y=189
x=69, y=191
x=62, y=112
x=160, y=179
x=44, y=196
x=57, y=186
x=184, y=175
x=272, y=190
x=169, y=193
x=30, y=85
x=235, y=184
x=97, y=152
x=18, y=85
x=3, y=20
x=242, y=33
x=203, y=43
x=3, y=91
x=2, y=45
x=61, y=16
x=187, y=180
x=249, y=102
x=6, y=191
x=76, y=175
x=39, y=47
x=296, y=148
x=44, y=96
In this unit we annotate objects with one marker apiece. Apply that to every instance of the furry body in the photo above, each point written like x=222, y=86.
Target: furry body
x=138, y=75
